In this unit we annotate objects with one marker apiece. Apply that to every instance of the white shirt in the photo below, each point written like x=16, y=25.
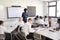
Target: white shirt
x=27, y=28
x=35, y=21
x=40, y=21
x=46, y=21
x=21, y=24
x=56, y=25
x=2, y=29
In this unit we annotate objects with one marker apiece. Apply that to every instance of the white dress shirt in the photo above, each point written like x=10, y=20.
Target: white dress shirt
x=35, y=21
x=21, y=24
x=46, y=21
x=40, y=21
x=56, y=25
x=27, y=28
x=2, y=29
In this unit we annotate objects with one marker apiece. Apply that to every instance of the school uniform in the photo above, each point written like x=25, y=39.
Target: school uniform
x=28, y=30
x=21, y=24
x=57, y=25
x=40, y=21
x=35, y=20
x=46, y=21
x=53, y=24
x=2, y=29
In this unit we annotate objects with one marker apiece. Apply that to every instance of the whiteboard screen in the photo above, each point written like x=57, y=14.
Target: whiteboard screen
x=15, y=12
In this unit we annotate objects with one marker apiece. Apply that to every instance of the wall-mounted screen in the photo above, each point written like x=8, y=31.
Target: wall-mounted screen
x=14, y=12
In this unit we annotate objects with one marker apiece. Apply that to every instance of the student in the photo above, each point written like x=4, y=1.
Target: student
x=25, y=15
x=40, y=21
x=2, y=28
x=46, y=20
x=28, y=30
x=58, y=24
x=35, y=19
x=21, y=23
x=51, y=21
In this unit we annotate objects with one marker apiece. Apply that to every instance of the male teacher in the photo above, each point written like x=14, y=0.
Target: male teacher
x=25, y=15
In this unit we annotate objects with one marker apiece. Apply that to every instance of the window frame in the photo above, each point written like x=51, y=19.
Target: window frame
x=55, y=9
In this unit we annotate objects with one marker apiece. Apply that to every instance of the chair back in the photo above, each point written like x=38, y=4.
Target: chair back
x=2, y=37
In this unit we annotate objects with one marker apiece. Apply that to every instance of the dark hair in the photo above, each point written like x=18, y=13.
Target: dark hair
x=45, y=16
x=41, y=17
x=29, y=19
x=25, y=9
x=37, y=16
x=1, y=22
x=58, y=21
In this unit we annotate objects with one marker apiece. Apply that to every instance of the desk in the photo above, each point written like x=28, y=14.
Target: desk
x=10, y=29
x=11, y=26
x=45, y=32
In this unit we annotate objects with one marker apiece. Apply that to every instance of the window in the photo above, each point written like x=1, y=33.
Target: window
x=58, y=8
x=52, y=9
x=52, y=3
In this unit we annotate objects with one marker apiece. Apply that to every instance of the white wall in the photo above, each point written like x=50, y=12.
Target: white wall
x=23, y=3
x=45, y=8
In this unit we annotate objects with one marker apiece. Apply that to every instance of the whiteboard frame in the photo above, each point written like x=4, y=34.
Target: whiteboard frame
x=8, y=15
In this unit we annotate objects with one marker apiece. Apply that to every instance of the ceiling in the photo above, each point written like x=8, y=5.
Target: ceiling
x=49, y=0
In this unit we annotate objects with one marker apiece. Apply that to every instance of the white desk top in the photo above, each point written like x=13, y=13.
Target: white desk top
x=8, y=25
x=49, y=34
x=10, y=29
x=41, y=31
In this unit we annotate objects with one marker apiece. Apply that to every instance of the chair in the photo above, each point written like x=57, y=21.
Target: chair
x=15, y=33
x=37, y=36
x=2, y=37
x=18, y=34
x=22, y=33
x=20, y=29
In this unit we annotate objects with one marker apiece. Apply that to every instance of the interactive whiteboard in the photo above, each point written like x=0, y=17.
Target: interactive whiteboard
x=14, y=12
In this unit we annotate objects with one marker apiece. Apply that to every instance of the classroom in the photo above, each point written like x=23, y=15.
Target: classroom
x=29, y=19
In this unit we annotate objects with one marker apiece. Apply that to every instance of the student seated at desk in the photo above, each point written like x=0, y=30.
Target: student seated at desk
x=21, y=23
x=52, y=23
x=28, y=30
x=2, y=28
x=40, y=21
x=58, y=25
x=35, y=19
x=46, y=20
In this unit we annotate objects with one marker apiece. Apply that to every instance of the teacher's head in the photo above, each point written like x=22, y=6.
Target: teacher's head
x=25, y=10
